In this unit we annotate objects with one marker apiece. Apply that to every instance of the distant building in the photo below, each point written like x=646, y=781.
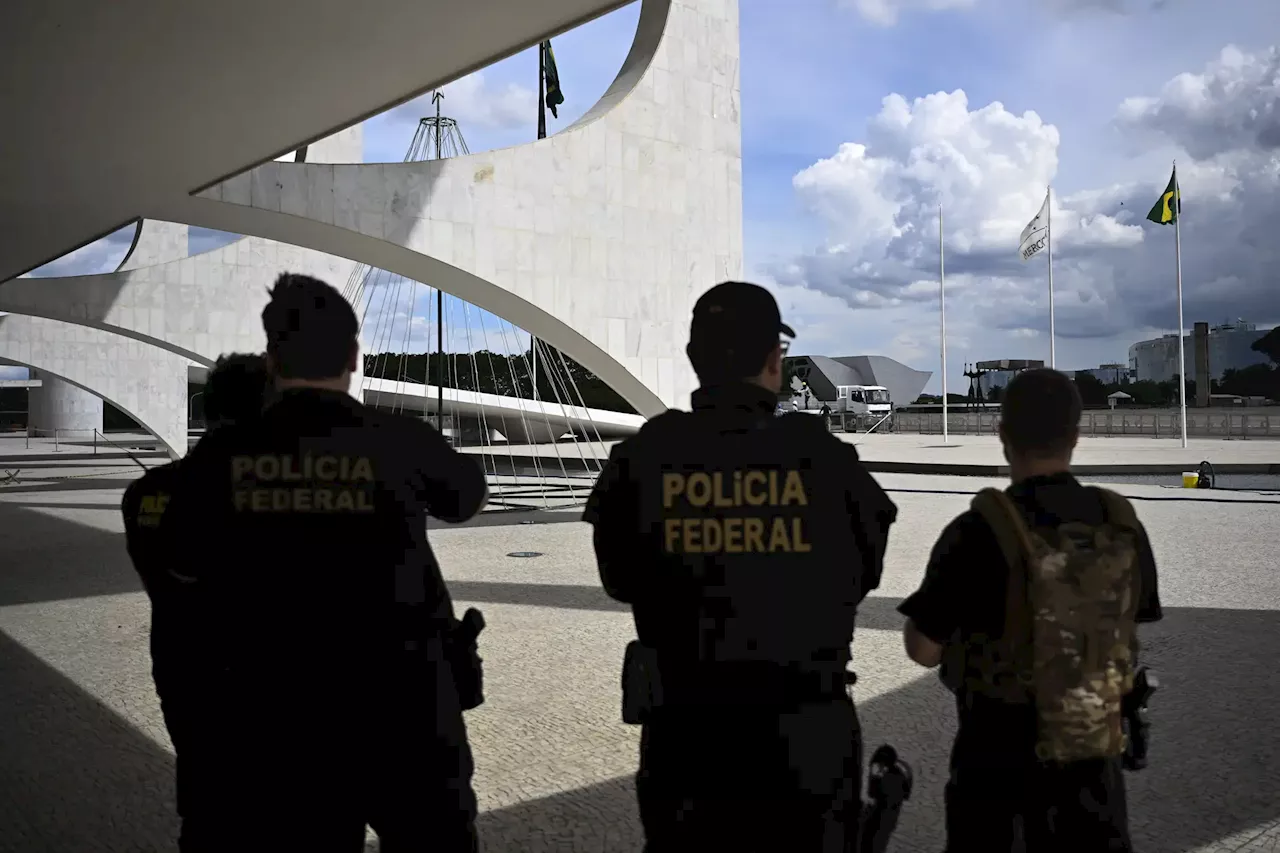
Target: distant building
x=1230, y=345
x=1109, y=374
x=824, y=375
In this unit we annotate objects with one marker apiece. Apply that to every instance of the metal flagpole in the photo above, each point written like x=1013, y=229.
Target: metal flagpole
x=1048, y=240
x=542, y=134
x=439, y=307
x=942, y=295
x=1177, y=259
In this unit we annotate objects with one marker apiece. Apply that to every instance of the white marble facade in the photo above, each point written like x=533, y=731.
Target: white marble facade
x=604, y=233
x=597, y=239
x=143, y=381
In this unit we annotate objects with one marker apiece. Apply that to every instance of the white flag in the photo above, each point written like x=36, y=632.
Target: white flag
x=1036, y=235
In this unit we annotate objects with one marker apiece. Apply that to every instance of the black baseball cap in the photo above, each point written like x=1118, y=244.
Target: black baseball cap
x=737, y=311
x=735, y=326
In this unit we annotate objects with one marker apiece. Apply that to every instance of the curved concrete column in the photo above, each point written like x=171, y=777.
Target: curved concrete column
x=157, y=242
x=198, y=306
x=61, y=406
x=597, y=239
x=144, y=382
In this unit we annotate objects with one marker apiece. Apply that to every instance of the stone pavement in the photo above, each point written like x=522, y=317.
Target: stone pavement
x=87, y=763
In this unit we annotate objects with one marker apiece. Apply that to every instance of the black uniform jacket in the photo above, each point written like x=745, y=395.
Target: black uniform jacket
x=160, y=568
x=308, y=543
x=739, y=537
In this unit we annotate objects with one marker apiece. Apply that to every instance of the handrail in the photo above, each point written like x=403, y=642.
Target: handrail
x=877, y=423
x=1219, y=424
x=125, y=450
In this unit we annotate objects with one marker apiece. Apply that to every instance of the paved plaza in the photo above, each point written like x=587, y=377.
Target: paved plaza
x=87, y=767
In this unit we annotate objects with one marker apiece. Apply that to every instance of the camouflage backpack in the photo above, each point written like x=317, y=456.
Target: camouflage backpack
x=1070, y=639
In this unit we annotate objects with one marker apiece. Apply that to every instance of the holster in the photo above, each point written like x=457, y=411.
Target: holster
x=463, y=652
x=641, y=683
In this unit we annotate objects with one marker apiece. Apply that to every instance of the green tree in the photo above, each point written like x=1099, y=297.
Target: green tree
x=1092, y=391
x=505, y=375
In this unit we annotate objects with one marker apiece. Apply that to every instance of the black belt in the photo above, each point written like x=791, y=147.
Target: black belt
x=750, y=684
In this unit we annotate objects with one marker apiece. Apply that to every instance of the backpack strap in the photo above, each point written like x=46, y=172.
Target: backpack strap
x=1116, y=508
x=1119, y=512
x=1010, y=529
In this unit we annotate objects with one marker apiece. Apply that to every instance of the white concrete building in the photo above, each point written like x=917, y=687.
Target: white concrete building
x=597, y=239
x=1230, y=348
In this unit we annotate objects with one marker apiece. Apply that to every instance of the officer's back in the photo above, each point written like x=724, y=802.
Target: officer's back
x=321, y=599
x=316, y=514
x=744, y=543
x=751, y=514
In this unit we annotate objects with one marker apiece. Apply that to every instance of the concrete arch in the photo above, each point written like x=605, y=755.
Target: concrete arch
x=611, y=227
x=308, y=233
x=195, y=306
x=157, y=242
x=144, y=382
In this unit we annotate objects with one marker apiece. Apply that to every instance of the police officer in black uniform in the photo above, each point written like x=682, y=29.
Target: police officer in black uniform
x=744, y=544
x=338, y=701
x=235, y=392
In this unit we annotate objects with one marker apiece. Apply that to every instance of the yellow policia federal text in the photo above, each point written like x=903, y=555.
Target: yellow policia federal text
x=735, y=489
x=751, y=534
x=341, y=476
x=151, y=509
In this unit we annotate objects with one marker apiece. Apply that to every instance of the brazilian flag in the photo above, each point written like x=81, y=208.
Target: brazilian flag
x=1169, y=207
x=554, y=96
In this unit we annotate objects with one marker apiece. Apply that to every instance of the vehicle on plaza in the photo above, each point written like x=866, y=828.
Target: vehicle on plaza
x=862, y=400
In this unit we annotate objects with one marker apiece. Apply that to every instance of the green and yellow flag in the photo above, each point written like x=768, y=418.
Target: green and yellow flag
x=554, y=96
x=1169, y=206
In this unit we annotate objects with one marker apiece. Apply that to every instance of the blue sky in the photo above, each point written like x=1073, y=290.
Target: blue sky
x=843, y=234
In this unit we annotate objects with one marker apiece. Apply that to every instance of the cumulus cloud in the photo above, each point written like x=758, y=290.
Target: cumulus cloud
x=474, y=102
x=988, y=167
x=1232, y=105
x=885, y=13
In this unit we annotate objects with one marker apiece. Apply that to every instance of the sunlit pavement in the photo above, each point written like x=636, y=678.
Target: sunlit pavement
x=87, y=763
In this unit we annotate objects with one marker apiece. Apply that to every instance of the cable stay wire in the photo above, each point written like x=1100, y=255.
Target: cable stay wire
x=516, y=418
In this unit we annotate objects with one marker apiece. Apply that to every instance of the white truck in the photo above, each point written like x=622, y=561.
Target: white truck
x=854, y=399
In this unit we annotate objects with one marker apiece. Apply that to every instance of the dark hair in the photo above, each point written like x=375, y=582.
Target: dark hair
x=311, y=329
x=1041, y=413
x=716, y=365
x=236, y=388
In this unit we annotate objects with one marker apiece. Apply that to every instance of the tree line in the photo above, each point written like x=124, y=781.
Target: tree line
x=497, y=373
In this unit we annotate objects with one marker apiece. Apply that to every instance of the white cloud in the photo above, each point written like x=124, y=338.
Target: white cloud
x=475, y=103
x=988, y=168
x=1233, y=104
x=1113, y=271
x=885, y=13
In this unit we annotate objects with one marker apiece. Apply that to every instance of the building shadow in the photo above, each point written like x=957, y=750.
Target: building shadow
x=76, y=776
x=47, y=558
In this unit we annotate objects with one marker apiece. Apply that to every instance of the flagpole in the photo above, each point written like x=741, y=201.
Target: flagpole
x=1177, y=259
x=542, y=134
x=942, y=298
x=542, y=90
x=1048, y=239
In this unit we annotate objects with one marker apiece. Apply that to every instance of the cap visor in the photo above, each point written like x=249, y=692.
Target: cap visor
x=786, y=330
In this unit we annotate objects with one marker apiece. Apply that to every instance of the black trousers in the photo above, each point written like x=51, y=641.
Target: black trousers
x=1080, y=808
x=294, y=778
x=751, y=779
